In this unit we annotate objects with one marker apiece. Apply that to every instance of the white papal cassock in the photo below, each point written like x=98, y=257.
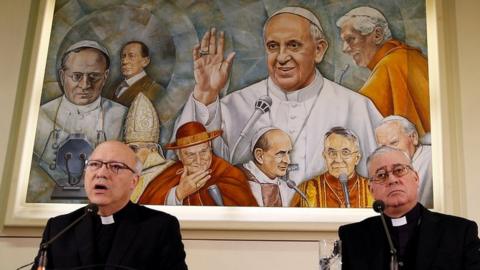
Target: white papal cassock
x=306, y=115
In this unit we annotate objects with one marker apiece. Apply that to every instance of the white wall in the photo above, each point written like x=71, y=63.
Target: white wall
x=460, y=59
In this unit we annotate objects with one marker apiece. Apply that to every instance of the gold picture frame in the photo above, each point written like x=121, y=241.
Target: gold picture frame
x=20, y=213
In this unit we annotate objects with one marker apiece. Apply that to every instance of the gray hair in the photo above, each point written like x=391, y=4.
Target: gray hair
x=384, y=150
x=345, y=132
x=365, y=19
x=408, y=126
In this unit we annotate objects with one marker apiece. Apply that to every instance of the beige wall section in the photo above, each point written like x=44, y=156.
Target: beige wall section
x=460, y=97
x=469, y=94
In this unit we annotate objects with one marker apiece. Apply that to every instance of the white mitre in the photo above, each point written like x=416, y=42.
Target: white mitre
x=142, y=123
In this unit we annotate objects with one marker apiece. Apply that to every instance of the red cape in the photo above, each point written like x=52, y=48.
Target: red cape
x=230, y=180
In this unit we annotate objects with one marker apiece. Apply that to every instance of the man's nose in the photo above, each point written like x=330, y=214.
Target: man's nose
x=391, y=179
x=286, y=159
x=345, y=47
x=102, y=171
x=198, y=159
x=84, y=82
x=283, y=56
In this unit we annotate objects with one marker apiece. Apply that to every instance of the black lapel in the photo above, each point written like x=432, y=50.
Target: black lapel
x=84, y=236
x=427, y=239
x=124, y=235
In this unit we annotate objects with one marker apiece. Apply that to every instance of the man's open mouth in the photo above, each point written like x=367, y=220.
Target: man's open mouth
x=100, y=186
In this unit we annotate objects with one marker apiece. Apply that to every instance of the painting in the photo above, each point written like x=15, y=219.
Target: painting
x=280, y=101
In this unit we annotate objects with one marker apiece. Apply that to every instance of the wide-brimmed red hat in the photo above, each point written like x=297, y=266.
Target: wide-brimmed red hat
x=192, y=133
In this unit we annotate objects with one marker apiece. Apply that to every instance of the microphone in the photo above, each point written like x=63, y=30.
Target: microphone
x=344, y=181
x=215, y=194
x=379, y=207
x=42, y=262
x=262, y=105
x=291, y=184
x=342, y=73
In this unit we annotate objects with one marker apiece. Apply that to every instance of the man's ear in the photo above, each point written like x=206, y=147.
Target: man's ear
x=177, y=153
x=414, y=137
x=145, y=62
x=135, y=180
x=258, y=155
x=106, y=74
x=359, y=157
x=321, y=47
x=378, y=35
x=61, y=77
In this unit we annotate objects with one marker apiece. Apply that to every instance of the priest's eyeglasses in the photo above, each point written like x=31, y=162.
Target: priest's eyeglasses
x=382, y=174
x=113, y=166
x=92, y=77
x=344, y=153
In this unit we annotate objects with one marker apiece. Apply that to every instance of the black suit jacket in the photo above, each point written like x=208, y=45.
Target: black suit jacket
x=444, y=242
x=144, y=239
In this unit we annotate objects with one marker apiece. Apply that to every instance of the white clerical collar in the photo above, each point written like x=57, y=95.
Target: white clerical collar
x=397, y=222
x=80, y=109
x=261, y=177
x=107, y=220
x=301, y=95
x=136, y=77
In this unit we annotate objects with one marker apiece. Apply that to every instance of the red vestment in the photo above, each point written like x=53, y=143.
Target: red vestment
x=230, y=180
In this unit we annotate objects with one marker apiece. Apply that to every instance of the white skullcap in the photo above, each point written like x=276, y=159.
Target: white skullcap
x=259, y=134
x=302, y=12
x=87, y=44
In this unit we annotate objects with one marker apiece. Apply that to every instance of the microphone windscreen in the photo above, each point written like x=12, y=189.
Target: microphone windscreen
x=378, y=206
x=263, y=104
x=266, y=99
x=343, y=178
x=91, y=208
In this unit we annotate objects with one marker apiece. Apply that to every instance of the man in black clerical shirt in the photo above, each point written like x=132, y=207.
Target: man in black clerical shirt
x=423, y=239
x=121, y=235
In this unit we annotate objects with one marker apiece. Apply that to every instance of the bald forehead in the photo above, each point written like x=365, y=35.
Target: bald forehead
x=114, y=151
x=388, y=158
x=277, y=135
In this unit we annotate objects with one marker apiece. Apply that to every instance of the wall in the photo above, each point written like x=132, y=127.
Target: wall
x=459, y=97
x=469, y=96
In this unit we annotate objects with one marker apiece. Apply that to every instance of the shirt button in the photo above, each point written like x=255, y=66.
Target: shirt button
x=293, y=117
x=294, y=105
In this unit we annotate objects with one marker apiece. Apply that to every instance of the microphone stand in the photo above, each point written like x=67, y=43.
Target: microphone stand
x=343, y=178
x=262, y=105
x=42, y=262
x=292, y=185
x=379, y=206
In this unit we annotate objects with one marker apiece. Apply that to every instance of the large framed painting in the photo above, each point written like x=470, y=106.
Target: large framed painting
x=244, y=113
